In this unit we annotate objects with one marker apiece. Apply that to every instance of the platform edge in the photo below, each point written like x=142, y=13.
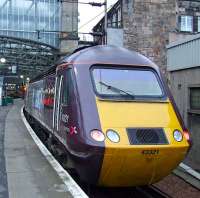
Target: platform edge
x=71, y=185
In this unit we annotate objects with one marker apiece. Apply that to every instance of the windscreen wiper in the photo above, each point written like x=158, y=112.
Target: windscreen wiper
x=115, y=89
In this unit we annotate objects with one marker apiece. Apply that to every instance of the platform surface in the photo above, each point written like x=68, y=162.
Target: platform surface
x=24, y=171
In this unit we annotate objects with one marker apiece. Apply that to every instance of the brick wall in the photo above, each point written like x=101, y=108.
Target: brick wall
x=147, y=24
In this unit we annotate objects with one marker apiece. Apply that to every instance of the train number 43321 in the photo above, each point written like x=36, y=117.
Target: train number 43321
x=150, y=152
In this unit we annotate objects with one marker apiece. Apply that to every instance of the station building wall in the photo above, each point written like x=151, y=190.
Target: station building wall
x=183, y=65
x=185, y=86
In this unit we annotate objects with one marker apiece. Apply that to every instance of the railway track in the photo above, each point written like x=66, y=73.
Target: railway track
x=153, y=192
x=130, y=192
x=102, y=192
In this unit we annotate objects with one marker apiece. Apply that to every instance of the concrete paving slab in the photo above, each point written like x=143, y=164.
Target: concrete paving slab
x=3, y=174
x=28, y=172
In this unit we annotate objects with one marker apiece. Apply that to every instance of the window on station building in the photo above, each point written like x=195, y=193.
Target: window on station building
x=119, y=17
x=195, y=98
x=109, y=23
x=198, y=23
x=186, y=23
x=21, y=18
x=114, y=20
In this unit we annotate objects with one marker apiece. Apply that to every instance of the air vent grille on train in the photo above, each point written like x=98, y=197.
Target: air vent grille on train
x=146, y=136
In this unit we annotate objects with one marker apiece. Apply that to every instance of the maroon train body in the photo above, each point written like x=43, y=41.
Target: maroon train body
x=64, y=102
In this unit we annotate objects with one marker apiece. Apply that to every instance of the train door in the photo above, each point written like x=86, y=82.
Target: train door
x=57, y=98
x=61, y=105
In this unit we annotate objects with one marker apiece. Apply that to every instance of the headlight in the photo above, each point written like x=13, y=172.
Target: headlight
x=112, y=136
x=178, y=136
x=97, y=135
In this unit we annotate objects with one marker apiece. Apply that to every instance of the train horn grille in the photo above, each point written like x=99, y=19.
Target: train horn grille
x=146, y=136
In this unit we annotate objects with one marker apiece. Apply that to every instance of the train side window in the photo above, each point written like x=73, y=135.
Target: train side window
x=57, y=84
x=66, y=88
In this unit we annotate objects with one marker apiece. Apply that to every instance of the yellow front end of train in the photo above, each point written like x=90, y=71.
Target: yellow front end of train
x=133, y=165
x=144, y=139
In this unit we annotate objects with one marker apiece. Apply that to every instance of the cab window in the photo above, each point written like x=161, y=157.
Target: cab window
x=127, y=83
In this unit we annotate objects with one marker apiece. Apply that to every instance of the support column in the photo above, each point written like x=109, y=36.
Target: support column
x=69, y=27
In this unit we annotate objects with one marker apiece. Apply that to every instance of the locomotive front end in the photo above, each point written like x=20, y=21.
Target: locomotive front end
x=143, y=135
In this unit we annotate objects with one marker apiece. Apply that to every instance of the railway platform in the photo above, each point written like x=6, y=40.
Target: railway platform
x=24, y=170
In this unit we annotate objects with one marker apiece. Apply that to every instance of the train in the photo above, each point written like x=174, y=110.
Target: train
x=110, y=114
x=13, y=87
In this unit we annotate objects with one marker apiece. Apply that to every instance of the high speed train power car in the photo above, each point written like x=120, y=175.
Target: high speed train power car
x=111, y=114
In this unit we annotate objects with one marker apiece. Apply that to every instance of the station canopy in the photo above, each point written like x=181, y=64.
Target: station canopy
x=28, y=57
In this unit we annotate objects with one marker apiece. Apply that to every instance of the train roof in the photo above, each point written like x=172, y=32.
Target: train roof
x=101, y=54
x=105, y=54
